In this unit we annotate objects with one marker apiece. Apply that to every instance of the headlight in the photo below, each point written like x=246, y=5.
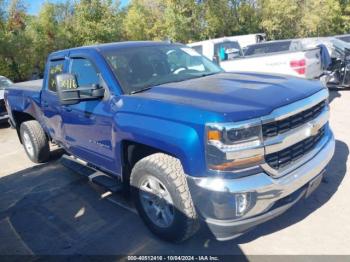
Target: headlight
x=234, y=146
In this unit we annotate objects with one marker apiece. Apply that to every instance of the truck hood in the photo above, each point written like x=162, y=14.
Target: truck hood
x=236, y=96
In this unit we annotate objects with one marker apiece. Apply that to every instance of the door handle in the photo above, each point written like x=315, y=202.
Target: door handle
x=88, y=114
x=67, y=108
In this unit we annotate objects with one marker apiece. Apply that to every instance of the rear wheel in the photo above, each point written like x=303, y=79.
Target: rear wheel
x=35, y=141
x=162, y=197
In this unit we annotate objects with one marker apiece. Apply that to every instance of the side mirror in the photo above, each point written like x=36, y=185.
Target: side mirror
x=70, y=93
x=67, y=89
x=97, y=91
x=216, y=60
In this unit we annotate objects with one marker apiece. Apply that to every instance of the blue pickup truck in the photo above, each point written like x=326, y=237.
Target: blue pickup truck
x=189, y=141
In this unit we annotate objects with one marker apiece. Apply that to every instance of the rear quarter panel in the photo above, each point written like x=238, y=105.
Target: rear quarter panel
x=26, y=101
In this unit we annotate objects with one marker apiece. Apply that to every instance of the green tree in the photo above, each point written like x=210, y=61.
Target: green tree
x=182, y=20
x=144, y=20
x=320, y=18
x=25, y=41
x=96, y=21
x=218, y=18
x=229, y=17
x=300, y=18
x=15, y=53
x=2, y=15
x=280, y=18
x=248, y=17
x=49, y=32
x=345, y=10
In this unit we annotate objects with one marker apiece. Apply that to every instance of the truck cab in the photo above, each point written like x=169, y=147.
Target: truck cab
x=217, y=50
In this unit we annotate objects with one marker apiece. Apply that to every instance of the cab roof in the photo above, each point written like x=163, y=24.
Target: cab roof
x=109, y=46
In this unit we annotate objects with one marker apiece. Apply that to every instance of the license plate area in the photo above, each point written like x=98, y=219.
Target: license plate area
x=313, y=184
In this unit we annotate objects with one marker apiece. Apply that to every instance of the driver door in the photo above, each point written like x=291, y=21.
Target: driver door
x=88, y=124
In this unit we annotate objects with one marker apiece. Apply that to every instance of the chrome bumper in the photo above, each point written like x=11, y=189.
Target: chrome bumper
x=214, y=198
x=4, y=117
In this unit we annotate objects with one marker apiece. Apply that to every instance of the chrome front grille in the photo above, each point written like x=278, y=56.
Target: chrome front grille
x=293, y=134
x=291, y=154
x=275, y=128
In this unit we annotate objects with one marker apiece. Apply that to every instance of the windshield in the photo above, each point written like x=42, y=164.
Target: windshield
x=140, y=68
x=266, y=48
x=4, y=82
x=344, y=38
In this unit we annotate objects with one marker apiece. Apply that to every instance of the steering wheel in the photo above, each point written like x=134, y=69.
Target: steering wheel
x=178, y=70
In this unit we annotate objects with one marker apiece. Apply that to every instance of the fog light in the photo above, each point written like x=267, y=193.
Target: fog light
x=242, y=203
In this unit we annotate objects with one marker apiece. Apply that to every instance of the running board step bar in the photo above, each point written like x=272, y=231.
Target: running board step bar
x=95, y=176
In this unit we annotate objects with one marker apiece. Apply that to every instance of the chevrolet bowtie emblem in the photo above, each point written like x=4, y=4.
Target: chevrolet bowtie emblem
x=314, y=128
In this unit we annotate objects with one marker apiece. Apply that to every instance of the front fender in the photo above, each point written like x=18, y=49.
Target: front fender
x=180, y=140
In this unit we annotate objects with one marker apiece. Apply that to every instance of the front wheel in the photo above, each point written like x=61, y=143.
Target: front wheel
x=35, y=141
x=162, y=197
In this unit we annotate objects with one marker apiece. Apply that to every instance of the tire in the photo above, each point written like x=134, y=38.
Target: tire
x=168, y=171
x=35, y=141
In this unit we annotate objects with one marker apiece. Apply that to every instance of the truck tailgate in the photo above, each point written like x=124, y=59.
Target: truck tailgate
x=34, y=85
x=313, y=63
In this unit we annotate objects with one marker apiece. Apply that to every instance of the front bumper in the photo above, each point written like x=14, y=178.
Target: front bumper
x=214, y=198
x=4, y=118
x=3, y=114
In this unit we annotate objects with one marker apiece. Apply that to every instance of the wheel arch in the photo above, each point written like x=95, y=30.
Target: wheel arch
x=156, y=135
x=19, y=118
x=132, y=152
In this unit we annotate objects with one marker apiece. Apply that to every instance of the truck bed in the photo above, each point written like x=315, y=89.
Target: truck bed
x=34, y=85
x=279, y=63
x=25, y=98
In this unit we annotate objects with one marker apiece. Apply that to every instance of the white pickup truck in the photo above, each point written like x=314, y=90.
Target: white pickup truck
x=233, y=44
x=211, y=48
x=288, y=57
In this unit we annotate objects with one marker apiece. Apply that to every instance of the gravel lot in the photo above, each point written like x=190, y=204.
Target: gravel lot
x=48, y=209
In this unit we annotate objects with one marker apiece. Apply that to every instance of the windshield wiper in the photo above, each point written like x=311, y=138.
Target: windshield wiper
x=209, y=74
x=157, y=82
x=199, y=76
x=140, y=90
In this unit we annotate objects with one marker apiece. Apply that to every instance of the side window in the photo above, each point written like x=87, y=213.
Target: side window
x=56, y=67
x=295, y=46
x=198, y=48
x=85, y=72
